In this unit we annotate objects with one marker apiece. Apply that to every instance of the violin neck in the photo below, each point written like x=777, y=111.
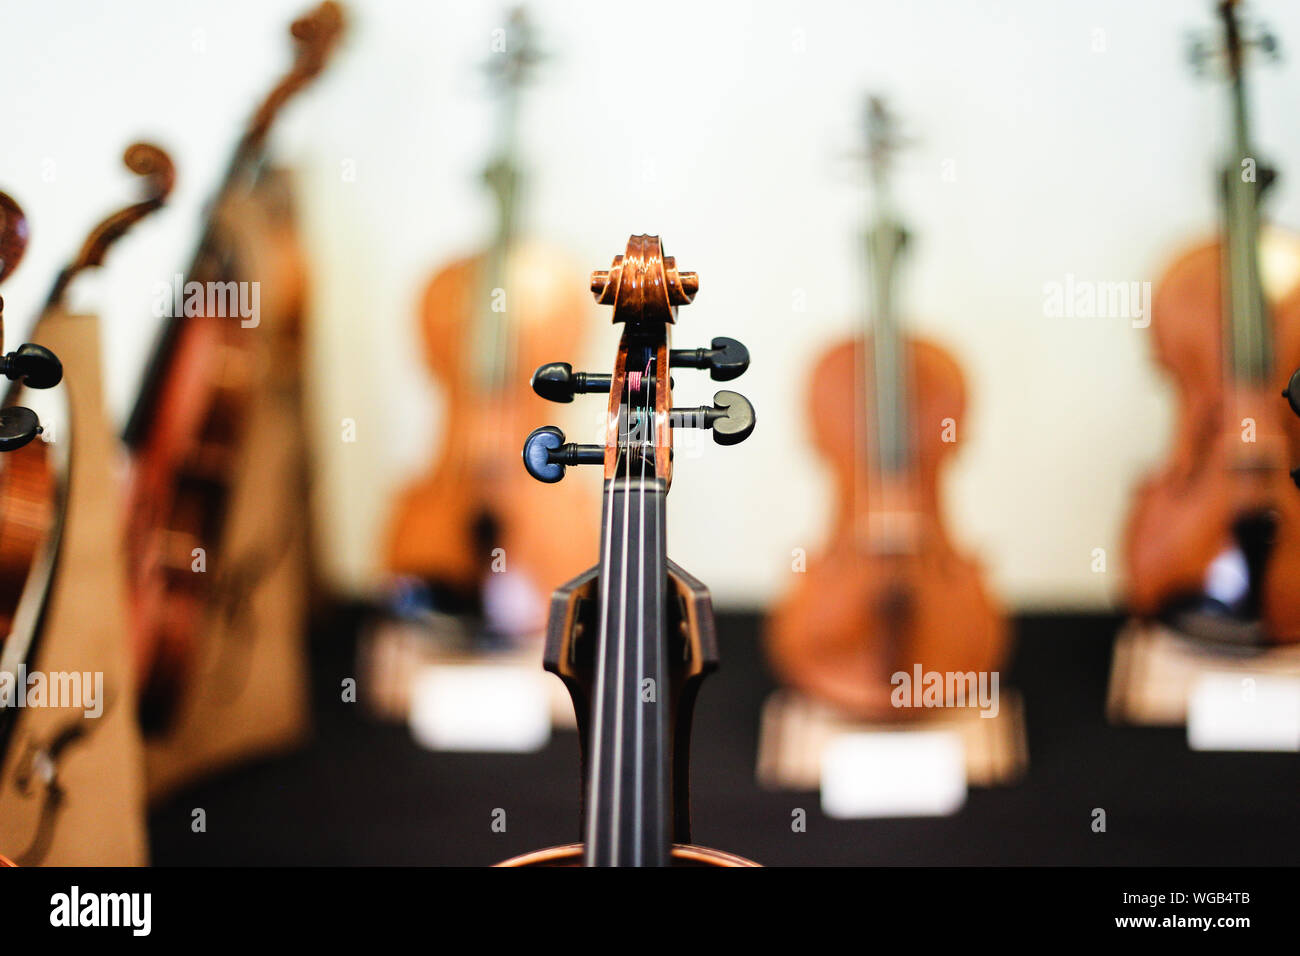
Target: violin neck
x=243, y=169
x=491, y=342
x=888, y=368
x=629, y=805
x=1247, y=334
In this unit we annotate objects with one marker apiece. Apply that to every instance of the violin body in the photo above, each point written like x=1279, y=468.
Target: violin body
x=29, y=502
x=184, y=470
x=890, y=591
x=682, y=855
x=1232, y=448
x=476, y=498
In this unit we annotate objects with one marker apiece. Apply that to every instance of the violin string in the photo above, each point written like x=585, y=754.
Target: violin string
x=620, y=690
x=646, y=423
x=659, y=646
x=598, y=718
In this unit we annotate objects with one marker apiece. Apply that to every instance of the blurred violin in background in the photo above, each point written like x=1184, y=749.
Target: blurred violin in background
x=487, y=320
x=890, y=591
x=189, y=420
x=633, y=637
x=30, y=486
x=39, y=524
x=1213, y=539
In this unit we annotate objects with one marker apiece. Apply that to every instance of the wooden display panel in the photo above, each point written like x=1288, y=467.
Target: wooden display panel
x=82, y=803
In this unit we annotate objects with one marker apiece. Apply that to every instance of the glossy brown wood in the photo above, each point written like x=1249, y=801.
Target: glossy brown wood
x=197, y=403
x=1182, y=515
x=683, y=855
x=14, y=234
x=889, y=591
x=28, y=510
x=547, y=531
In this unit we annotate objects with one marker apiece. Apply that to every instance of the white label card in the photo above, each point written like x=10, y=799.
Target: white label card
x=481, y=707
x=907, y=773
x=1244, y=712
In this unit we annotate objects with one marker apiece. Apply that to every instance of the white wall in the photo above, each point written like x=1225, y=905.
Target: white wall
x=725, y=128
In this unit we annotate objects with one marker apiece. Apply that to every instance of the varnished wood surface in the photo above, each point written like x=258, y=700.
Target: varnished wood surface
x=549, y=532
x=889, y=590
x=1182, y=514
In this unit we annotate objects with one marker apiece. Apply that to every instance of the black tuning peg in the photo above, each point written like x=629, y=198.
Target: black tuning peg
x=546, y=454
x=558, y=382
x=34, y=365
x=731, y=418
x=727, y=359
x=18, y=426
x=1292, y=392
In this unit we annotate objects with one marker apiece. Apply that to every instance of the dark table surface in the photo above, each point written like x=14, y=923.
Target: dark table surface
x=362, y=792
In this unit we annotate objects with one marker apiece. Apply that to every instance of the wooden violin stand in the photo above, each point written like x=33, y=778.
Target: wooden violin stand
x=71, y=790
x=1154, y=669
x=796, y=730
x=249, y=694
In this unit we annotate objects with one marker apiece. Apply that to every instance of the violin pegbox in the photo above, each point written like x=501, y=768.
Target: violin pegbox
x=646, y=289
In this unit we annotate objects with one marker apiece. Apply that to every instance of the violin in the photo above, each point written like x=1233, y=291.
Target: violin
x=633, y=637
x=1213, y=538
x=890, y=591
x=188, y=423
x=488, y=319
x=34, y=478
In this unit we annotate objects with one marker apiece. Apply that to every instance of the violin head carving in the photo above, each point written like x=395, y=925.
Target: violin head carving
x=643, y=285
x=646, y=289
x=315, y=36
x=159, y=174
x=1229, y=51
x=510, y=68
x=13, y=235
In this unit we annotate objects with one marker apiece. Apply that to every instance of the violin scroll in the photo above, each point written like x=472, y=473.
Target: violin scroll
x=13, y=235
x=315, y=36
x=159, y=174
x=643, y=284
